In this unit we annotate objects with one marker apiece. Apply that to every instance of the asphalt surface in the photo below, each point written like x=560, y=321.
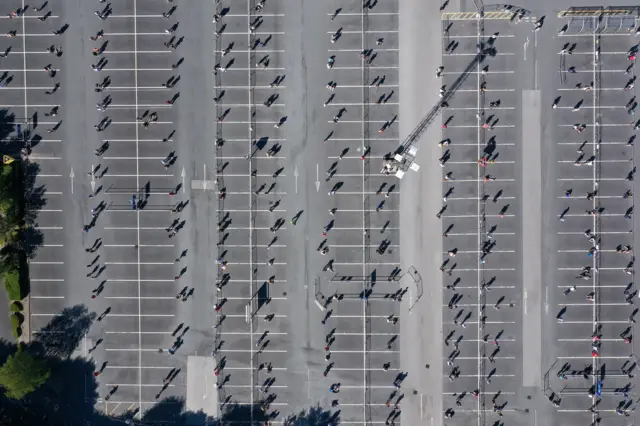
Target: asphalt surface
x=607, y=316
x=420, y=232
x=133, y=259
x=229, y=213
x=482, y=326
x=295, y=182
x=534, y=168
x=136, y=266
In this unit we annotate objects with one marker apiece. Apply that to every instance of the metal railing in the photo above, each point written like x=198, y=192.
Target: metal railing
x=481, y=232
x=599, y=11
x=366, y=206
x=219, y=185
x=597, y=225
x=253, y=203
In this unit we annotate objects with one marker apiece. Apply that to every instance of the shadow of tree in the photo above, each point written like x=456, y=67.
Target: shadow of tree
x=170, y=409
x=198, y=419
x=13, y=134
x=314, y=416
x=33, y=239
x=7, y=127
x=34, y=194
x=240, y=414
x=35, y=201
x=69, y=397
x=71, y=390
x=62, y=335
x=6, y=348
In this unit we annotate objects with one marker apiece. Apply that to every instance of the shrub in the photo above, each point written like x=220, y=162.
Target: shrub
x=16, y=307
x=17, y=332
x=10, y=258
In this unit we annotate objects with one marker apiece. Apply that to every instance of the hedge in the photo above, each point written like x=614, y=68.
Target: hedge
x=12, y=285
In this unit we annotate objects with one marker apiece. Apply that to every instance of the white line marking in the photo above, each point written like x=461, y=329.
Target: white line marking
x=135, y=82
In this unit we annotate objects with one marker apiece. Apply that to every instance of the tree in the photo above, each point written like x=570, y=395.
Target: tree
x=22, y=373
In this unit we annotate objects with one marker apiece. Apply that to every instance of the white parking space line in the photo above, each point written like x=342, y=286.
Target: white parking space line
x=475, y=109
x=486, y=91
x=133, y=228
x=262, y=51
x=501, y=36
x=146, y=367
x=366, y=32
x=583, y=197
x=358, y=51
x=589, y=180
x=371, y=68
x=143, y=245
x=601, y=233
x=369, y=13
x=139, y=263
x=134, y=280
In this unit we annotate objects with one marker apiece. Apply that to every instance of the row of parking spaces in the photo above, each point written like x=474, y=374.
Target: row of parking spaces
x=135, y=238
x=595, y=277
x=24, y=83
x=252, y=320
x=480, y=223
x=362, y=126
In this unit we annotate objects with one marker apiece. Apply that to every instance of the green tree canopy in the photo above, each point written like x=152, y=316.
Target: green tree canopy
x=23, y=373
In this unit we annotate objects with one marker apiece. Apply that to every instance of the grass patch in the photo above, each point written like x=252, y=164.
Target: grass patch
x=17, y=332
x=12, y=285
x=16, y=320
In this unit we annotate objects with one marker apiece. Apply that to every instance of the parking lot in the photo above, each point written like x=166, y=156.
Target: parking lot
x=254, y=61
x=141, y=273
x=123, y=194
x=259, y=169
x=366, y=206
x=24, y=86
x=306, y=239
x=480, y=190
x=595, y=169
x=138, y=250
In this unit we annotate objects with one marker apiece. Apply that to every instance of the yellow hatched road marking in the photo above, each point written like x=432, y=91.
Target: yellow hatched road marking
x=472, y=16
